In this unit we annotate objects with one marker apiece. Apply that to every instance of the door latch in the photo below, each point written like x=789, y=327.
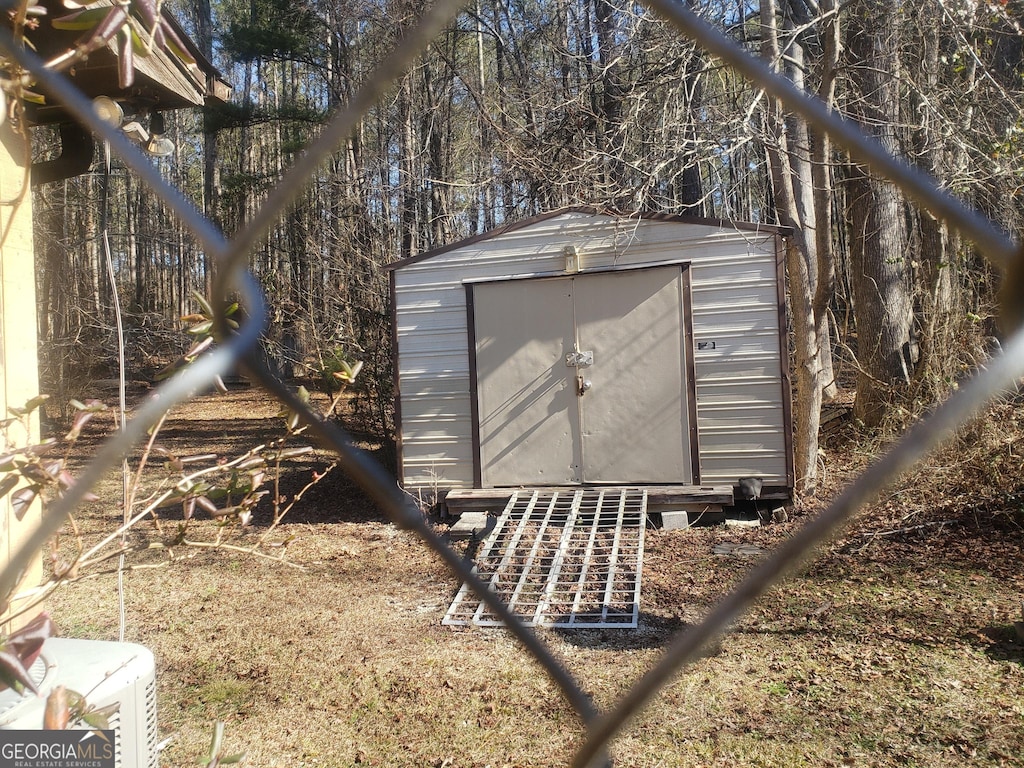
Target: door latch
x=577, y=359
x=583, y=385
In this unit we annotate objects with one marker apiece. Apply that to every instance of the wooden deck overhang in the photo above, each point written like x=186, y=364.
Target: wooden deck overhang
x=163, y=79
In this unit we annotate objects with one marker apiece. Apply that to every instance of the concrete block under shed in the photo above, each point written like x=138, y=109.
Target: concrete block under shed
x=675, y=521
x=681, y=516
x=743, y=523
x=472, y=525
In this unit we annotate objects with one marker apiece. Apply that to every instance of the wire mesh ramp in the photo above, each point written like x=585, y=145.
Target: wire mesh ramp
x=568, y=558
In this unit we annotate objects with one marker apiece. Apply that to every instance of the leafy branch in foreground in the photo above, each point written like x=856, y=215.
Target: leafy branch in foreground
x=175, y=503
x=201, y=501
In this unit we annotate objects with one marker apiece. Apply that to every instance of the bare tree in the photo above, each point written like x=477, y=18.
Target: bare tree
x=802, y=201
x=880, y=269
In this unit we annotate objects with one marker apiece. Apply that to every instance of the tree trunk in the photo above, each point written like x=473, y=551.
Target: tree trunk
x=609, y=108
x=788, y=156
x=211, y=173
x=821, y=178
x=406, y=171
x=938, y=298
x=878, y=238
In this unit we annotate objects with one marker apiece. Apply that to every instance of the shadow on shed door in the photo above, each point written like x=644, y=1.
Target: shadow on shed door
x=583, y=379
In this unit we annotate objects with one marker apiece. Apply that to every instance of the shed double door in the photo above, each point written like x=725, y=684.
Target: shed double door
x=583, y=379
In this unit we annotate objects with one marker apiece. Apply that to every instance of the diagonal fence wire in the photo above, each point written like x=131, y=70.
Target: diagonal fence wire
x=242, y=349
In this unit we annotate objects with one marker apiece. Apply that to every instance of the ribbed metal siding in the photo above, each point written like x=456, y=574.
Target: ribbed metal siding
x=739, y=384
x=740, y=413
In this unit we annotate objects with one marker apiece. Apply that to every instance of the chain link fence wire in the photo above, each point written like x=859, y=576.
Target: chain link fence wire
x=241, y=350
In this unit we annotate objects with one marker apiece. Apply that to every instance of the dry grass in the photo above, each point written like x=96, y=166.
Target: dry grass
x=891, y=649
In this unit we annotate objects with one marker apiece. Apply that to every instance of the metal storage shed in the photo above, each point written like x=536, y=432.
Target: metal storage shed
x=583, y=347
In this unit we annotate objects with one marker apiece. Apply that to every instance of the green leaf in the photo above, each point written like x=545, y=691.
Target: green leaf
x=203, y=303
x=82, y=417
x=196, y=458
x=348, y=371
x=28, y=641
x=67, y=480
x=99, y=718
x=169, y=370
x=56, y=712
x=43, y=448
x=29, y=406
x=85, y=19
x=294, y=453
x=75, y=700
x=92, y=405
x=22, y=499
x=36, y=401
x=42, y=474
x=205, y=503
x=7, y=484
x=215, y=742
x=13, y=674
x=139, y=46
x=199, y=347
x=174, y=45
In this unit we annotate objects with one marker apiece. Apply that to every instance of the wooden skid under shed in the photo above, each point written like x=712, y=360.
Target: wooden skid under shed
x=461, y=500
x=562, y=558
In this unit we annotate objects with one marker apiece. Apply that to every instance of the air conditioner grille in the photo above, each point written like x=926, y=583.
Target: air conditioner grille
x=150, y=725
x=9, y=699
x=114, y=721
x=108, y=674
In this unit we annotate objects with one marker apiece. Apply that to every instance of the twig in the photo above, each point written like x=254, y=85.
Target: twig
x=279, y=516
x=243, y=550
x=872, y=535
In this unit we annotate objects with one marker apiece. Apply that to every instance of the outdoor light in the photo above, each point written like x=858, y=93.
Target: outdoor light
x=572, y=259
x=153, y=141
x=158, y=145
x=136, y=132
x=108, y=110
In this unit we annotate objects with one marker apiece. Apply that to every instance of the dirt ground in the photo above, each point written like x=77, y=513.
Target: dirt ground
x=895, y=647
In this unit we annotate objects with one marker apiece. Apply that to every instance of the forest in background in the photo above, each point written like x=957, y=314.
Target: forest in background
x=521, y=108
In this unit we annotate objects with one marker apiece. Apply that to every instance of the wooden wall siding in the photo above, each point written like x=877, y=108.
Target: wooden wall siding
x=740, y=387
x=18, y=363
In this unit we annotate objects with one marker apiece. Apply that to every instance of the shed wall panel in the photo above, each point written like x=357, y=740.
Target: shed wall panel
x=735, y=304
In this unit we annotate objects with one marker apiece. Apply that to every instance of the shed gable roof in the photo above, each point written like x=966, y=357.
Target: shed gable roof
x=592, y=211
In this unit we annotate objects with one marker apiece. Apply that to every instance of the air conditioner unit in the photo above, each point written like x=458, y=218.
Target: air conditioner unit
x=105, y=673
